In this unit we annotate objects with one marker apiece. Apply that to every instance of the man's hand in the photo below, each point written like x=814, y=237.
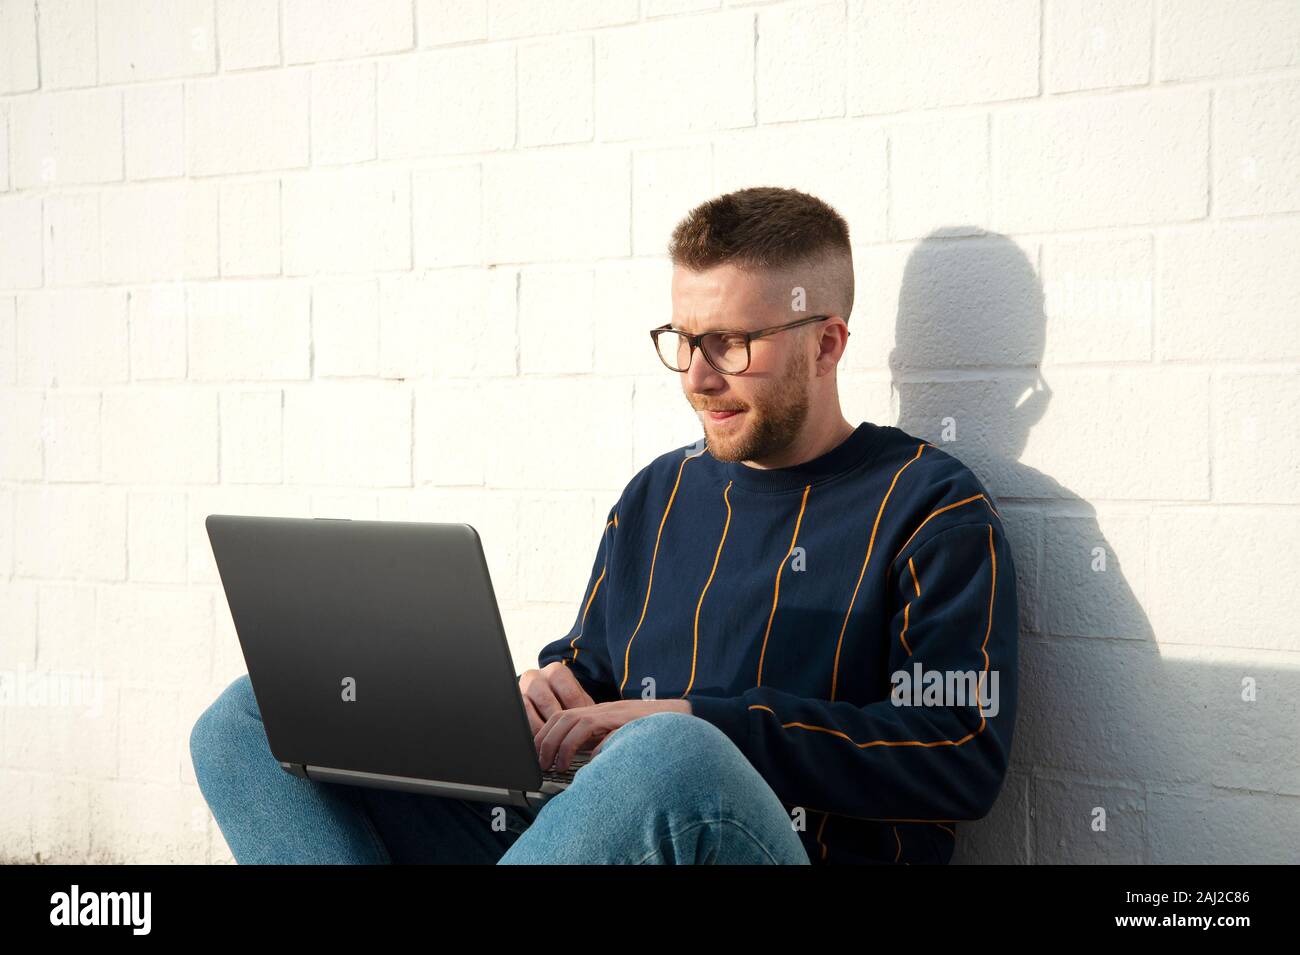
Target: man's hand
x=550, y=690
x=575, y=728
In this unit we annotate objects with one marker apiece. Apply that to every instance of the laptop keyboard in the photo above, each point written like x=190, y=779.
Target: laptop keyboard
x=580, y=759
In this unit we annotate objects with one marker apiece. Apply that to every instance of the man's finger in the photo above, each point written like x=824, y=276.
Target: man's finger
x=571, y=731
x=578, y=738
x=543, y=699
x=547, y=739
x=567, y=689
x=535, y=720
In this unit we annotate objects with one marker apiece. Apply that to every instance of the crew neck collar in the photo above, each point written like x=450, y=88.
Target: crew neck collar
x=843, y=457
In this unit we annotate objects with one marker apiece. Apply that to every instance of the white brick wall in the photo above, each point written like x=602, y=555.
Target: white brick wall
x=309, y=257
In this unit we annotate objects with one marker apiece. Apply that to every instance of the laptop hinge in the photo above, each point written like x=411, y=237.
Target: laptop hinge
x=536, y=800
x=432, y=787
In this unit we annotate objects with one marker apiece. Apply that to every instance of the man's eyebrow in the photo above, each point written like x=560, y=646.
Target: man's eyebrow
x=718, y=328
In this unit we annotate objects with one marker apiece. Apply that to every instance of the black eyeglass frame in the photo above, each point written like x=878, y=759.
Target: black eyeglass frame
x=694, y=341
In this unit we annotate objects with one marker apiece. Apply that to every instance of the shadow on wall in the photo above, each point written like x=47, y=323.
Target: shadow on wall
x=1158, y=738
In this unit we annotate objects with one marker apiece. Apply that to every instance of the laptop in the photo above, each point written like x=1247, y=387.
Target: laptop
x=378, y=658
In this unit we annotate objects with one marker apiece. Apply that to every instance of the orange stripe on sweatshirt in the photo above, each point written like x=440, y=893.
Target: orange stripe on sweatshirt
x=871, y=543
x=573, y=644
x=627, y=653
x=795, y=724
x=776, y=586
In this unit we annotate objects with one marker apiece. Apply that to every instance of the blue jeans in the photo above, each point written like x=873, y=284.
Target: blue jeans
x=669, y=788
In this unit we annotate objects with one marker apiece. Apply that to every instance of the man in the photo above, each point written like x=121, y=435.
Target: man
x=775, y=581
x=798, y=642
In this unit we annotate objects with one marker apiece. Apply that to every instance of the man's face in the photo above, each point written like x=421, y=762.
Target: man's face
x=773, y=394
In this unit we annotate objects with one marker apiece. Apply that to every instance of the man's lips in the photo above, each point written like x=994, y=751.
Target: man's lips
x=724, y=414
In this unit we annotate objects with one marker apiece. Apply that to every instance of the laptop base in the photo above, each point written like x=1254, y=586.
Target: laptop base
x=427, y=787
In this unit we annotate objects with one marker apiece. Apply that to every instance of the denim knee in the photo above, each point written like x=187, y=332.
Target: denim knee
x=227, y=715
x=672, y=743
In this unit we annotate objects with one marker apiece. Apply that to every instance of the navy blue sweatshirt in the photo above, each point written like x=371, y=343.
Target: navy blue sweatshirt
x=781, y=602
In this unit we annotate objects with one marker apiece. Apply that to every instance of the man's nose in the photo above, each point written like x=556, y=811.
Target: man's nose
x=701, y=376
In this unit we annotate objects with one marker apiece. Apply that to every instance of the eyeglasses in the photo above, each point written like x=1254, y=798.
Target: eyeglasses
x=726, y=352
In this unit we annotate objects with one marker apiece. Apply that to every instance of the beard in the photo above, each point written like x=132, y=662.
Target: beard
x=772, y=421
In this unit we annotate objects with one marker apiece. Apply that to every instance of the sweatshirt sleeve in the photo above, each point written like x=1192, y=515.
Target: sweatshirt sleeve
x=952, y=609
x=584, y=648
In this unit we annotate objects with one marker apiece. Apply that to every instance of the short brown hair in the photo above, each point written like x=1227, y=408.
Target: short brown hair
x=784, y=232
